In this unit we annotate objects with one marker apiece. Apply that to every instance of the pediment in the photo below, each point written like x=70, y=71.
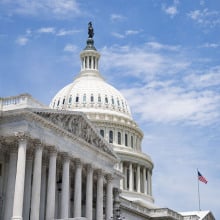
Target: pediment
x=78, y=125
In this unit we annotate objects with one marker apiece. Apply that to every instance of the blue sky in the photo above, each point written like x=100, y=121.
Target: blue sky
x=162, y=55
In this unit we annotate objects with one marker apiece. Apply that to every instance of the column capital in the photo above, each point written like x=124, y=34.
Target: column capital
x=65, y=156
x=99, y=172
x=22, y=136
x=78, y=162
x=109, y=177
x=89, y=167
x=52, y=150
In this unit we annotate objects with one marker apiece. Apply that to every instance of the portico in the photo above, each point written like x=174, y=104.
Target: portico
x=77, y=181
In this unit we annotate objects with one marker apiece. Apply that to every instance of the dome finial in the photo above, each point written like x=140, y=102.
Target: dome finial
x=90, y=41
x=90, y=30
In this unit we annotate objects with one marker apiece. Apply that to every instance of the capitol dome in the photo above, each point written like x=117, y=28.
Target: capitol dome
x=89, y=92
x=109, y=112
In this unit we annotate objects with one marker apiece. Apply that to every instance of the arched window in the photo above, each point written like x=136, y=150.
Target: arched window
x=113, y=101
x=102, y=132
x=99, y=98
x=63, y=101
x=118, y=103
x=106, y=99
x=132, y=142
x=126, y=140
x=70, y=99
x=90, y=62
x=58, y=102
x=77, y=98
x=119, y=137
x=92, y=98
x=84, y=98
x=54, y=103
x=111, y=137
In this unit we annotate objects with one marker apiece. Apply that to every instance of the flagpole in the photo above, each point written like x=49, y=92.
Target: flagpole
x=198, y=190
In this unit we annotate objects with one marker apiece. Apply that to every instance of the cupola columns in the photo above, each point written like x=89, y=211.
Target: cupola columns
x=89, y=56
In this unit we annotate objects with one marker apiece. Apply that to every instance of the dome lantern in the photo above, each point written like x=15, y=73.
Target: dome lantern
x=89, y=56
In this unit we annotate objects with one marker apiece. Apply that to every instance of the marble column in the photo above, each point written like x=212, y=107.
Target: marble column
x=35, y=199
x=51, y=187
x=138, y=179
x=78, y=189
x=130, y=177
x=99, y=197
x=144, y=180
x=65, y=188
x=116, y=204
x=89, y=192
x=121, y=169
x=19, y=182
x=148, y=182
x=126, y=177
x=109, y=196
x=27, y=189
x=43, y=188
x=10, y=183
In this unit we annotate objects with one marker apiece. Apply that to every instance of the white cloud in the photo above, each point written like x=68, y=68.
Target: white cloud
x=159, y=46
x=22, y=41
x=117, y=17
x=205, y=17
x=70, y=48
x=132, y=32
x=117, y=35
x=210, y=45
x=64, y=32
x=172, y=9
x=46, y=30
x=142, y=62
x=173, y=104
x=167, y=83
x=57, y=8
x=208, y=78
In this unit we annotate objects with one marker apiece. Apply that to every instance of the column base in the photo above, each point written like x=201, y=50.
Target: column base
x=16, y=218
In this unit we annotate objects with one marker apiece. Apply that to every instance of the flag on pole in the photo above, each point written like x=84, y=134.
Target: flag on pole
x=202, y=178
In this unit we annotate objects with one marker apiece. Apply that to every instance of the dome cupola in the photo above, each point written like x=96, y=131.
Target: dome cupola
x=89, y=92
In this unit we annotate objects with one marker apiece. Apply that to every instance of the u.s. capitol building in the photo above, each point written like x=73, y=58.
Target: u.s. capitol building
x=79, y=158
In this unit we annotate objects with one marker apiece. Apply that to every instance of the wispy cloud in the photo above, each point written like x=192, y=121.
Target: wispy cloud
x=172, y=9
x=174, y=104
x=207, y=18
x=70, y=48
x=64, y=32
x=169, y=95
x=159, y=46
x=117, y=35
x=143, y=62
x=55, y=8
x=117, y=17
x=22, y=41
x=211, y=45
x=132, y=32
x=204, y=79
x=46, y=30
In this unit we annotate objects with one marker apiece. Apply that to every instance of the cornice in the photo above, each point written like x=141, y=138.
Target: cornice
x=37, y=114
